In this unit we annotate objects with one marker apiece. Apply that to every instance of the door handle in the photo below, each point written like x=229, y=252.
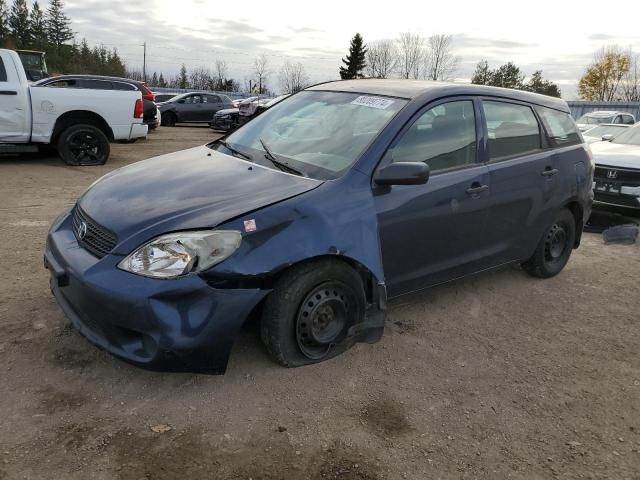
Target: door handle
x=8, y=92
x=476, y=188
x=549, y=172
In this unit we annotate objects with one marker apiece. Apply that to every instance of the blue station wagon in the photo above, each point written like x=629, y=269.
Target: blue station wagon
x=314, y=214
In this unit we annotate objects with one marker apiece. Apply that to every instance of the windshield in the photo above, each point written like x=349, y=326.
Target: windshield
x=591, y=120
x=320, y=134
x=631, y=136
x=604, y=130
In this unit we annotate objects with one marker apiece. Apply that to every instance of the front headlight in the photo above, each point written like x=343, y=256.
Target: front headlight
x=177, y=254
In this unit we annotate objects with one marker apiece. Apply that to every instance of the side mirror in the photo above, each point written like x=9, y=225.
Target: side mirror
x=607, y=138
x=403, y=173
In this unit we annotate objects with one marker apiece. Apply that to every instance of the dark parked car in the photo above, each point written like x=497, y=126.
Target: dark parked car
x=193, y=107
x=99, y=82
x=229, y=118
x=315, y=213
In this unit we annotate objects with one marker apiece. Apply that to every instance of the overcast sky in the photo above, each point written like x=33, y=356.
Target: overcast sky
x=558, y=36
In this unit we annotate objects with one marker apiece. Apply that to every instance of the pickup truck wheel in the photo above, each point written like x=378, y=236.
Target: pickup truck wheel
x=168, y=119
x=554, y=249
x=310, y=311
x=83, y=145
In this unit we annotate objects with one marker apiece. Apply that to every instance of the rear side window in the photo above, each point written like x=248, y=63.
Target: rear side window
x=513, y=129
x=560, y=126
x=627, y=120
x=123, y=86
x=3, y=72
x=444, y=137
x=97, y=84
x=63, y=84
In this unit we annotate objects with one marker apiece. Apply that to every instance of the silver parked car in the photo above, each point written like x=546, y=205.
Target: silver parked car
x=591, y=119
x=603, y=133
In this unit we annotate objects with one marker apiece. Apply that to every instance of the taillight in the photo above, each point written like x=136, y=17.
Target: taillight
x=147, y=94
x=138, y=110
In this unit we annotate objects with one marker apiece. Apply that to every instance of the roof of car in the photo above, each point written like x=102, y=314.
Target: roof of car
x=410, y=89
x=91, y=77
x=602, y=113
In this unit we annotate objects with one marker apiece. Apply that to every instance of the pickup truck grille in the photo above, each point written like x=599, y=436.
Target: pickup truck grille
x=92, y=236
x=626, y=176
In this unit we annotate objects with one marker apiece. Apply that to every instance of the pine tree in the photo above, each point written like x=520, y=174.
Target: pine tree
x=161, y=81
x=38, y=27
x=19, y=24
x=482, y=74
x=57, y=22
x=154, y=79
x=4, y=24
x=355, y=61
x=539, y=85
x=183, y=81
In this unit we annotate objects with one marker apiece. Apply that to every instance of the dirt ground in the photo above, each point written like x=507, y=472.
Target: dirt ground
x=500, y=376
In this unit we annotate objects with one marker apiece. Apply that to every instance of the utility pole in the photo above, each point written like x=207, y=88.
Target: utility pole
x=144, y=62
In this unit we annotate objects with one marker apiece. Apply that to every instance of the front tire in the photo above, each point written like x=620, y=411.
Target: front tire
x=83, y=145
x=168, y=119
x=310, y=311
x=554, y=249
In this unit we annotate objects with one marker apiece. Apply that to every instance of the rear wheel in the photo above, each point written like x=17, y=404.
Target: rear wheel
x=83, y=145
x=554, y=249
x=168, y=119
x=310, y=312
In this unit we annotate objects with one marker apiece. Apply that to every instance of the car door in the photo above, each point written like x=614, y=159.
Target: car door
x=188, y=108
x=522, y=174
x=434, y=232
x=15, y=110
x=211, y=104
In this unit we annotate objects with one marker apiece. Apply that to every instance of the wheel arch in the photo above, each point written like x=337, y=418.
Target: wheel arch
x=577, y=211
x=76, y=117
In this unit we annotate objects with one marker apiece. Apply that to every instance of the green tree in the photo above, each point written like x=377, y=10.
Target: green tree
x=539, y=85
x=4, y=23
x=19, y=24
x=507, y=76
x=58, y=29
x=161, y=81
x=355, y=61
x=183, y=80
x=154, y=79
x=38, y=27
x=482, y=74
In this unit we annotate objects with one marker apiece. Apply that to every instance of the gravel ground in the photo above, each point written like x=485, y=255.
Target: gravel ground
x=499, y=376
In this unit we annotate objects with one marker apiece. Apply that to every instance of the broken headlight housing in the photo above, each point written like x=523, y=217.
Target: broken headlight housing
x=177, y=254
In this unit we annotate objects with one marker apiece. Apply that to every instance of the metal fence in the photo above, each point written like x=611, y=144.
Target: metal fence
x=579, y=108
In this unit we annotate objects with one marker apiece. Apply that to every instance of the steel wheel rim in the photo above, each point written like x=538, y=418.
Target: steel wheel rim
x=323, y=318
x=556, y=243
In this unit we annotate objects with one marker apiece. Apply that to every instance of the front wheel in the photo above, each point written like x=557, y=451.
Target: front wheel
x=554, y=249
x=168, y=119
x=83, y=145
x=310, y=311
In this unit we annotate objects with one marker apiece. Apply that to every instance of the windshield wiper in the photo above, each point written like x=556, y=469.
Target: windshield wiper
x=281, y=165
x=246, y=156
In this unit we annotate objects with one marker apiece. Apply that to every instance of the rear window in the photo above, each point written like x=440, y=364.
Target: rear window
x=512, y=128
x=96, y=84
x=560, y=126
x=3, y=72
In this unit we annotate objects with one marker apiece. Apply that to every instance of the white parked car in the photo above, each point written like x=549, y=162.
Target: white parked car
x=591, y=119
x=603, y=133
x=617, y=172
x=80, y=124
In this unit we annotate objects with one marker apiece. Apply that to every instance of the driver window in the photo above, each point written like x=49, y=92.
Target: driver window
x=444, y=137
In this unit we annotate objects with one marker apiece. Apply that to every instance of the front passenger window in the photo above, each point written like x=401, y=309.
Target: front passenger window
x=444, y=137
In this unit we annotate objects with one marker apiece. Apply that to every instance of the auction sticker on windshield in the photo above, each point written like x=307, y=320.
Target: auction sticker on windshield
x=373, y=102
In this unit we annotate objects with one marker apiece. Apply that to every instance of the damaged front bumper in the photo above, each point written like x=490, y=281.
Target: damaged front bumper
x=170, y=325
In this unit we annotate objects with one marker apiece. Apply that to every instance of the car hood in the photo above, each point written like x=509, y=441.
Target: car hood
x=195, y=188
x=616, y=154
x=227, y=111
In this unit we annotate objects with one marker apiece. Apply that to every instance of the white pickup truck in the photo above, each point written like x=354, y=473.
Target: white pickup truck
x=78, y=123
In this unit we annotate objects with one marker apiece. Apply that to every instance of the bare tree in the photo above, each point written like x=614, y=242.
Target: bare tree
x=220, y=76
x=630, y=85
x=410, y=53
x=440, y=62
x=200, y=78
x=293, y=77
x=261, y=71
x=382, y=58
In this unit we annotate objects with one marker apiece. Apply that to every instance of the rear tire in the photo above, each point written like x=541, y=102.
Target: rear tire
x=83, y=145
x=310, y=311
x=554, y=249
x=168, y=119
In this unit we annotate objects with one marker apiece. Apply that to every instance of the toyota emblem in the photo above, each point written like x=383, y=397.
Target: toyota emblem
x=612, y=174
x=82, y=230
